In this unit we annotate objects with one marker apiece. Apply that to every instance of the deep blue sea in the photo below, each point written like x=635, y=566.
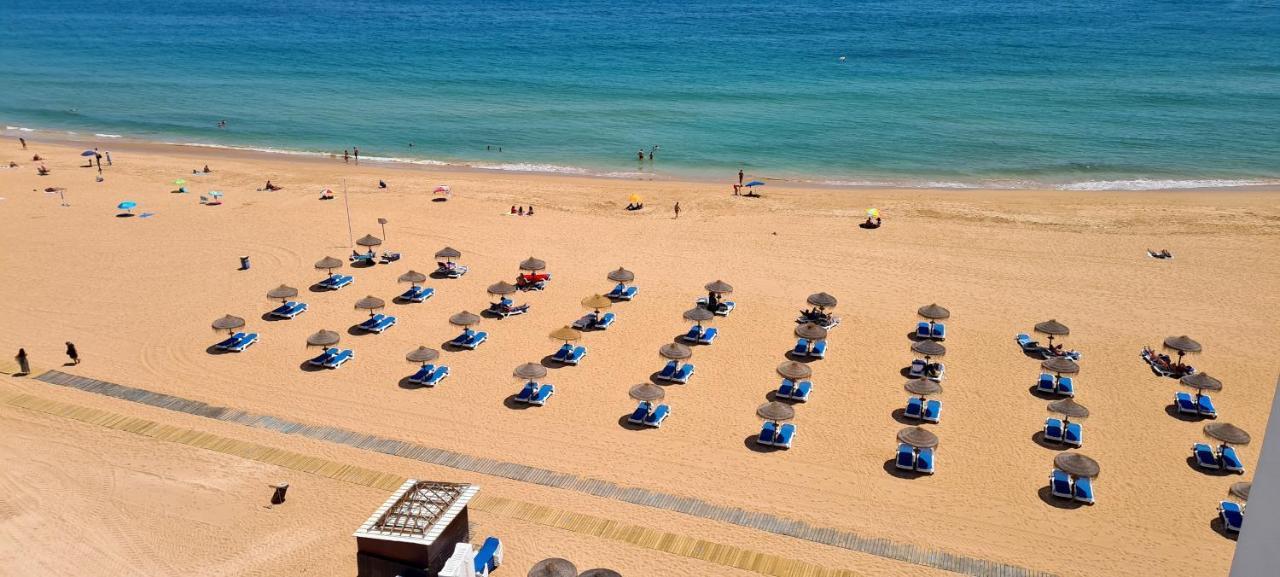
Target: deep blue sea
x=1086, y=94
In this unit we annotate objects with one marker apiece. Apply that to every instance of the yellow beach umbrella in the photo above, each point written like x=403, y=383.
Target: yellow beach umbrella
x=873, y=213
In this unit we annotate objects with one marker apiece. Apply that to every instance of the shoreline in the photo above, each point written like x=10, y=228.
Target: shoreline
x=560, y=170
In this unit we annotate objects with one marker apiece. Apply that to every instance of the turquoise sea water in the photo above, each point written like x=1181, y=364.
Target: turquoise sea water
x=1088, y=94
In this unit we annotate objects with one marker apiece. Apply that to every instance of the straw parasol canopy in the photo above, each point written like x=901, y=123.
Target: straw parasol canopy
x=1241, y=489
x=621, y=275
x=1053, y=328
x=918, y=437
x=464, y=319
x=369, y=241
x=1069, y=408
x=422, y=355
x=554, y=567
x=502, y=288
x=1227, y=433
x=597, y=302
x=822, y=300
x=448, y=252
x=533, y=265
x=413, y=277
x=675, y=351
x=794, y=371
x=1077, y=465
x=933, y=312
x=811, y=331
x=929, y=348
x=370, y=303
x=1061, y=365
x=718, y=287
x=1201, y=382
x=530, y=371
x=647, y=392
x=923, y=387
x=698, y=315
x=324, y=338
x=600, y=573
x=228, y=323
x=566, y=334
x=775, y=411
x=1183, y=344
x=282, y=292
x=328, y=263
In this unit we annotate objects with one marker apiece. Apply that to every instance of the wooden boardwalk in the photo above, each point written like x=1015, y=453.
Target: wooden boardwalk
x=767, y=522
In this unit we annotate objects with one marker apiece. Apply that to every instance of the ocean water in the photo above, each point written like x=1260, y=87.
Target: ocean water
x=1087, y=94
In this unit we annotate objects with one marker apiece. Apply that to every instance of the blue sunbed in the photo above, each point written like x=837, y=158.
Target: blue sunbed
x=668, y=370
x=725, y=308
x=337, y=281
x=422, y=375
x=1046, y=384
x=1205, y=406
x=231, y=340
x=616, y=293
x=767, y=434
x=605, y=321
x=786, y=388
x=819, y=349
x=371, y=322
x=629, y=293
x=1186, y=405
x=324, y=357
x=383, y=324
x=935, y=371
x=1232, y=516
x=1066, y=386
x=785, y=434
x=289, y=310
x=922, y=330
x=906, y=457
x=682, y=375
x=1084, y=490
x=708, y=336
x=437, y=375
x=802, y=348
x=695, y=333
x=243, y=343
x=462, y=339
x=586, y=322
x=544, y=393
x=939, y=332
x=563, y=353
x=1060, y=485
x=474, y=340
x=801, y=392
x=575, y=357
x=658, y=415
x=1231, y=461
x=530, y=389
x=488, y=557
x=1205, y=457
x=339, y=359
x=1024, y=341
x=917, y=368
x=1053, y=430
x=1073, y=435
x=915, y=408
x=417, y=294
x=924, y=461
x=933, y=411
x=640, y=414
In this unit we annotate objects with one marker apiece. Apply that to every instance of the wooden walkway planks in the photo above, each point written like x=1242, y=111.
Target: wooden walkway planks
x=600, y=488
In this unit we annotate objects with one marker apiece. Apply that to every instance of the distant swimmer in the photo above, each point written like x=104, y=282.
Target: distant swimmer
x=640, y=155
x=842, y=58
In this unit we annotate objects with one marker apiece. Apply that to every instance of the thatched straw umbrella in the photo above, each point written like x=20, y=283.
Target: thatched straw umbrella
x=1184, y=345
x=464, y=319
x=600, y=573
x=328, y=263
x=1060, y=366
x=794, y=371
x=502, y=288
x=1069, y=409
x=647, y=392
x=822, y=300
x=934, y=313
x=698, y=315
x=422, y=355
x=228, y=323
x=719, y=287
x=929, y=349
x=923, y=387
x=370, y=303
x=918, y=437
x=529, y=371
x=323, y=338
x=567, y=334
x=622, y=275
x=448, y=254
x=597, y=302
x=413, y=277
x=1228, y=433
x=675, y=351
x=369, y=241
x=811, y=332
x=1053, y=328
x=1077, y=465
x=1241, y=490
x=776, y=412
x=533, y=265
x=553, y=567
x=282, y=292
x=1201, y=382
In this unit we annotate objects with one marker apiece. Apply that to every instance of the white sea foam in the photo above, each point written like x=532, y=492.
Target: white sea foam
x=533, y=167
x=20, y=128
x=107, y=135
x=1152, y=184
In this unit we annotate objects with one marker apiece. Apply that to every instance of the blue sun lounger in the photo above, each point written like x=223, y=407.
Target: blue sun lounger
x=801, y=391
x=917, y=368
x=818, y=351
x=708, y=336
x=906, y=459
x=629, y=293
x=767, y=434
x=1186, y=405
x=380, y=325
x=695, y=333
x=417, y=294
x=243, y=343
x=1046, y=384
x=424, y=373
x=429, y=375
x=544, y=393
x=922, y=330
x=1205, y=457
x=658, y=415
x=324, y=357
x=933, y=411
x=575, y=357
x=668, y=370
x=231, y=340
x=915, y=408
x=924, y=461
x=1231, y=461
x=617, y=291
x=640, y=414
x=1060, y=485
x=1073, y=435
x=723, y=309
x=1053, y=430
x=939, y=332
x=785, y=434
x=562, y=353
x=606, y=321
x=1205, y=407
x=682, y=375
x=1028, y=345
x=1066, y=386
x=289, y=310
x=337, y=281
x=1083, y=490
x=339, y=359
x=474, y=340
x=530, y=389
x=802, y=348
x=1232, y=516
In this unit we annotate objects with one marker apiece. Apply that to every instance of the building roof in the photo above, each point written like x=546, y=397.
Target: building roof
x=417, y=512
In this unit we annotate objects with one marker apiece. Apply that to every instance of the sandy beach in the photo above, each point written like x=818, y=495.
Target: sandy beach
x=137, y=296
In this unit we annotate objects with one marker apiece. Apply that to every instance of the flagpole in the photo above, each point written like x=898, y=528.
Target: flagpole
x=351, y=237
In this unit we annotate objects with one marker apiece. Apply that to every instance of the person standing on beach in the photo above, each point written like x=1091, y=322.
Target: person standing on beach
x=357, y=151
x=23, y=141
x=108, y=154
x=677, y=209
x=739, y=177
x=73, y=353
x=24, y=368
x=345, y=157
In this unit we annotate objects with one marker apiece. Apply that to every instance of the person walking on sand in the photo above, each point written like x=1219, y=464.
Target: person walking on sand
x=24, y=368
x=739, y=177
x=23, y=141
x=345, y=157
x=73, y=353
x=108, y=153
x=677, y=209
x=356, y=149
